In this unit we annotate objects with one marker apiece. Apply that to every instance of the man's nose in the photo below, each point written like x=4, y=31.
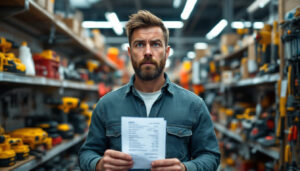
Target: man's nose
x=148, y=50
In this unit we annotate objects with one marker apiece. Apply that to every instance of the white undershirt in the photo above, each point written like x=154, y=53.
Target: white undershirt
x=149, y=99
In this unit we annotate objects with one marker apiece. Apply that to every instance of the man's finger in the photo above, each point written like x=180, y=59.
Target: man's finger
x=119, y=162
x=165, y=162
x=118, y=155
x=171, y=168
x=117, y=168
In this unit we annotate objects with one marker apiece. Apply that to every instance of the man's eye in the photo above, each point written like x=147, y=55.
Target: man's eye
x=156, y=44
x=139, y=45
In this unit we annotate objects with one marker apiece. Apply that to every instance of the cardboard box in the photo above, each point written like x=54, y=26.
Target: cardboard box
x=98, y=39
x=227, y=77
x=229, y=39
x=200, y=53
x=50, y=5
x=252, y=51
x=73, y=24
x=42, y=3
x=244, y=68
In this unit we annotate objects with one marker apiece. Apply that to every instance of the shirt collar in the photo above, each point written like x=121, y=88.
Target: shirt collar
x=167, y=86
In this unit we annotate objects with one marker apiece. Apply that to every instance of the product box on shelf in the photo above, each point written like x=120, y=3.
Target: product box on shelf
x=229, y=39
x=42, y=3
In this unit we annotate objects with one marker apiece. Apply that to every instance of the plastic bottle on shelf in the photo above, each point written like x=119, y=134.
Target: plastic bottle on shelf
x=26, y=58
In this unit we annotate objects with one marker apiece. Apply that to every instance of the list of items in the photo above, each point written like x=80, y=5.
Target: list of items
x=144, y=139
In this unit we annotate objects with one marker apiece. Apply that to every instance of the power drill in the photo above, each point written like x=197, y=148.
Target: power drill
x=263, y=39
x=8, y=61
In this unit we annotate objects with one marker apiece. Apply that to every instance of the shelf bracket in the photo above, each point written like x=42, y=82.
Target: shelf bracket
x=52, y=35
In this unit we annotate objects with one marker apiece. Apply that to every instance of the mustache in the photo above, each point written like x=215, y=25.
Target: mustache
x=148, y=61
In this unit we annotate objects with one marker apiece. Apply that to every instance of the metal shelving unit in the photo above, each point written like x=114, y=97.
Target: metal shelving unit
x=33, y=162
x=6, y=77
x=234, y=54
x=268, y=78
x=42, y=22
x=269, y=151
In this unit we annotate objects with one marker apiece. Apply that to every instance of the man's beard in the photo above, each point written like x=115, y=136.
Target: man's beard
x=148, y=74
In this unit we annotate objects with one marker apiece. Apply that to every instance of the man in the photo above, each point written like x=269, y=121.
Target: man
x=190, y=143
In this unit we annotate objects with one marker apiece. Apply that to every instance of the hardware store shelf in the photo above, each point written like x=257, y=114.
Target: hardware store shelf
x=270, y=151
x=268, y=78
x=32, y=162
x=236, y=53
x=40, y=19
x=6, y=77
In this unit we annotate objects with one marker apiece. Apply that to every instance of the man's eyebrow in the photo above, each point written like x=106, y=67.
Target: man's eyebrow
x=138, y=41
x=156, y=40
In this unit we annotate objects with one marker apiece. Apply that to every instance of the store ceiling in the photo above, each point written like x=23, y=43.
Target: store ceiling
x=205, y=15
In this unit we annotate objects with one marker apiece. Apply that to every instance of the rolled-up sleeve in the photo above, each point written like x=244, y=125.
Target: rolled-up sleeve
x=95, y=144
x=204, y=145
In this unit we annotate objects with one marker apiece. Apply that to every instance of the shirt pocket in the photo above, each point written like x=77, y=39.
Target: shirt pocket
x=113, y=134
x=178, y=140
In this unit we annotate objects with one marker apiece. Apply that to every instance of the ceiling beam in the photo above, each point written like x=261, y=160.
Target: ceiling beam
x=138, y=4
x=198, y=15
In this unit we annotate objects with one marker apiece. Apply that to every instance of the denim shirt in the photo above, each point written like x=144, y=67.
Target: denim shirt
x=190, y=132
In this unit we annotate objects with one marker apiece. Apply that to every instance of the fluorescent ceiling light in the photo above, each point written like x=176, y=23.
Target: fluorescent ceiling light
x=176, y=3
x=258, y=25
x=246, y=24
x=125, y=46
x=82, y=3
x=168, y=63
x=96, y=24
x=173, y=24
x=171, y=52
x=217, y=29
x=200, y=45
x=188, y=8
x=113, y=19
x=257, y=4
x=191, y=55
x=106, y=24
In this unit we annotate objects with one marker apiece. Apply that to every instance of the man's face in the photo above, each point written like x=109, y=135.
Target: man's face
x=148, y=52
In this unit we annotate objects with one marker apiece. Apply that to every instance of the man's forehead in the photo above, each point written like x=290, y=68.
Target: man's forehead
x=148, y=31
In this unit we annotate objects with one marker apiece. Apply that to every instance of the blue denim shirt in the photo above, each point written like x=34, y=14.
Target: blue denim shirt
x=190, y=132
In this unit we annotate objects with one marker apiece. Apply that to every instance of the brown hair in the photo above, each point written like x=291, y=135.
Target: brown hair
x=143, y=19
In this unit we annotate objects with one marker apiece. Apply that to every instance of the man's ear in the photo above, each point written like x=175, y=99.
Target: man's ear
x=168, y=51
x=128, y=51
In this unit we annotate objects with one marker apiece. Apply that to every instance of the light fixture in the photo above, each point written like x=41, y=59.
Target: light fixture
x=176, y=3
x=188, y=8
x=191, y=54
x=168, y=63
x=108, y=25
x=113, y=19
x=125, y=46
x=96, y=24
x=217, y=29
x=200, y=45
x=246, y=24
x=257, y=4
x=173, y=24
x=171, y=52
x=258, y=25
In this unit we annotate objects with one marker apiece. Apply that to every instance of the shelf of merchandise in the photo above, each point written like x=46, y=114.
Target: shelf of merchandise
x=42, y=20
x=31, y=162
x=6, y=77
x=269, y=151
x=268, y=78
x=236, y=53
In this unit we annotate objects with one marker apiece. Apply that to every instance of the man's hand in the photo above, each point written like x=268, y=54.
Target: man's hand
x=167, y=164
x=114, y=160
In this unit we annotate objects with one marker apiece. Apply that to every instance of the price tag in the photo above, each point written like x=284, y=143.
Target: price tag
x=283, y=88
